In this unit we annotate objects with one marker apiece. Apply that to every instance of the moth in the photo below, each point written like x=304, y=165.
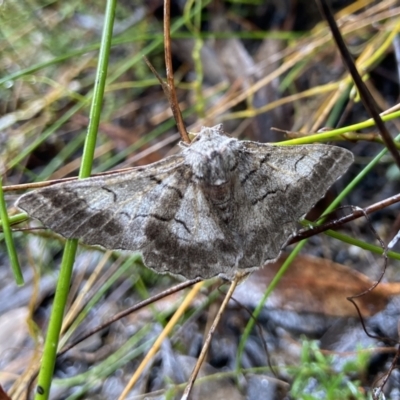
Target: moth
x=219, y=207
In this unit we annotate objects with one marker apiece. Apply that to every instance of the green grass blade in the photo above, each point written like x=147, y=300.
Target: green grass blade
x=12, y=253
x=98, y=94
x=62, y=290
x=99, y=294
x=56, y=318
x=325, y=136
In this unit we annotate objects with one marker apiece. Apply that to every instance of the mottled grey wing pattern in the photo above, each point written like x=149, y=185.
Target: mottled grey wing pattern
x=156, y=210
x=220, y=207
x=282, y=184
x=109, y=210
x=202, y=247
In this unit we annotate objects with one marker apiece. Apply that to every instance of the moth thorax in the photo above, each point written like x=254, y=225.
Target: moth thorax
x=219, y=194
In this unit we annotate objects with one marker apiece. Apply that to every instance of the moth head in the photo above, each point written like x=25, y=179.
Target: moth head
x=212, y=156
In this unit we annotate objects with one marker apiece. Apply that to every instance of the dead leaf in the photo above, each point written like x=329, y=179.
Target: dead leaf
x=316, y=285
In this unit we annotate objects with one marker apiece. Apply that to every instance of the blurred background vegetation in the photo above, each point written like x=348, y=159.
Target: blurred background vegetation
x=251, y=65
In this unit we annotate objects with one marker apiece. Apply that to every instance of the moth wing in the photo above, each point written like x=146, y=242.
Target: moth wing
x=157, y=210
x=281, y=184
x=106, y=210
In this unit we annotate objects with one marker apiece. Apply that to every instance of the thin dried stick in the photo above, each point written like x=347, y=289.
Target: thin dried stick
x=172, y=97
x=238, y=277
x=366, y=97
x=130, y=310
x=355, y=214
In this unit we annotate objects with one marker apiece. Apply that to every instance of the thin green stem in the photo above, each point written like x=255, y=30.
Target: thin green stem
x=97, y=296
x=62, y=290
x=324, y=136
x=98, y=93
x=361, y=244
x=12, y=253
x=16, y=219
x=56, y=318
